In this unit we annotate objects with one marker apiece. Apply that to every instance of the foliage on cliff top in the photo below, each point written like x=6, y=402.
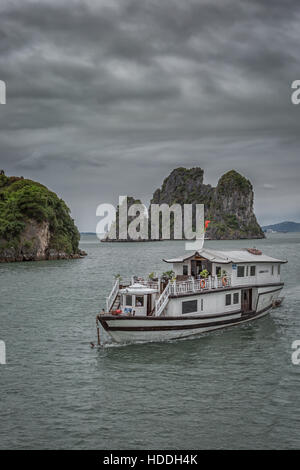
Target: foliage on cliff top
x=232, y=180
x=22, y=199
x=184, y=174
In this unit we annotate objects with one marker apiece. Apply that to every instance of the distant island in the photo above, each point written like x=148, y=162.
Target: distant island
x=228, y=206
x=35, y=224
x=283, y=227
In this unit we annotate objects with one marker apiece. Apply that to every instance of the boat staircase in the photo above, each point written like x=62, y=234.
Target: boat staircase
x=116, y=303
x=113, y=300
x=162, y=301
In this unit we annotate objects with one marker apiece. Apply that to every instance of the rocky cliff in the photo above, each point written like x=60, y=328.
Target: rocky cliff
x=229, y=206
x=35, y=224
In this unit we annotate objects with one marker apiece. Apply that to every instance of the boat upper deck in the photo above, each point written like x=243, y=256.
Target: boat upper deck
x=200, y=272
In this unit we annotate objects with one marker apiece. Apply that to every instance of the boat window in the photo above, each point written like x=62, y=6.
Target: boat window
x=278, y=267
x=185, y=270
x=128, y=300
x=236, y=298
x=202, y=305
x=252, y=270
x=139, y=301
x=190, y=306
x=218, y=271
x=241, y=271
x=272, y=269
x=228, y=299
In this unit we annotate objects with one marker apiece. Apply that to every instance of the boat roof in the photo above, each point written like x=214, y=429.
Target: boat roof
x=137, y=288
x=226, y=257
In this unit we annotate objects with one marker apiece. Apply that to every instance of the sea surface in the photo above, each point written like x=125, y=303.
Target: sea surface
x=234, y=389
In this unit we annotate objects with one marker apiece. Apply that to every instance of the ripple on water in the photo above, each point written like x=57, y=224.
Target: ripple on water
x=234, y=388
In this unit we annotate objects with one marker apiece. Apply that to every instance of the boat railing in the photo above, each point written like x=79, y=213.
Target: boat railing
x=144, y=282
x=198, y=285
x=112, y=296
x=187, y=287
x=173, y=288
x=149, y=283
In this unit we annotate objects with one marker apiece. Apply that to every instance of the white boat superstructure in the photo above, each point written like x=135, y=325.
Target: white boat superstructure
x=206, y=290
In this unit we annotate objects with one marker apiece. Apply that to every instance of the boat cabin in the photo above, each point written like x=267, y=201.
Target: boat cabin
x=137, y=299
x=245, y=266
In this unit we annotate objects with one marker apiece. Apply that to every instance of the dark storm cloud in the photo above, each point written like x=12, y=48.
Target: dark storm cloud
x=106, y=97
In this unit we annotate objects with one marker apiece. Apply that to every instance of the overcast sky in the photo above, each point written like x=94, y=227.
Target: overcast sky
x=106, y=97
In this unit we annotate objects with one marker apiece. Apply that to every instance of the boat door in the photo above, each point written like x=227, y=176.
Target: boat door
x=246, y=301
x=196, y=267
x=149, y=304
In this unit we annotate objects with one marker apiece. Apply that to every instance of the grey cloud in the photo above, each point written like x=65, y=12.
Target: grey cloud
x=106, y=97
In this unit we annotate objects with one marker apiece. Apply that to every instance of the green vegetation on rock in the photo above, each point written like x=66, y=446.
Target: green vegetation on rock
x=24, y=204
x=233, y=181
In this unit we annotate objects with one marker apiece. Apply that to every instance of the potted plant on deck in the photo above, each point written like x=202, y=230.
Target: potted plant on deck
x=204, y=274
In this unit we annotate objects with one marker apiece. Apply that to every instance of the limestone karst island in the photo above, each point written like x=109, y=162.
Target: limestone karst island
x=228, y=206
x=35, y=224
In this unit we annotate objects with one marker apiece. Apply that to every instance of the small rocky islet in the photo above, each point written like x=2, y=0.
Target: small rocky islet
x=35, y=224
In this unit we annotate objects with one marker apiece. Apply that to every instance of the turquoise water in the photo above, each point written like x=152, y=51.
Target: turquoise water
x=232, y=389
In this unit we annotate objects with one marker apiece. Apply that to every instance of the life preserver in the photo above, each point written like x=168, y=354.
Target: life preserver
x=224, y=281
x=202, y=284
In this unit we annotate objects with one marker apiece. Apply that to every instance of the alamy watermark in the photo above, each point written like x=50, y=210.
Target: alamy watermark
x=295, y=96
x=135, y=222
x=2, y=92
x=2, y=353
x=296, y=353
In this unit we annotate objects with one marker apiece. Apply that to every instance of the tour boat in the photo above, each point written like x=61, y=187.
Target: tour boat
x=208, y=290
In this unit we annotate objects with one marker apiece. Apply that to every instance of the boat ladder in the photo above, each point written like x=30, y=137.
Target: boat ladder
x=163, y=300
x=113, y=296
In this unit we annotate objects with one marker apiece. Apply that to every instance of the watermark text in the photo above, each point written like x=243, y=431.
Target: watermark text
x=2, y=92
x=160, y=222
x=296, y=353
x=2, y=353
x=295, y=97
